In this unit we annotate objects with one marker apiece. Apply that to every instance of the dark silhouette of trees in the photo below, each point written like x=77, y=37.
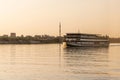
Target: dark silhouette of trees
x=37, y=39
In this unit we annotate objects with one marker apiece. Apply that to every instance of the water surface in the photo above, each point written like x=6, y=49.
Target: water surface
x=52, y=62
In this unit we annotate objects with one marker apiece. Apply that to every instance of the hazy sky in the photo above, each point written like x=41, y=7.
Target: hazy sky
x=43, y=16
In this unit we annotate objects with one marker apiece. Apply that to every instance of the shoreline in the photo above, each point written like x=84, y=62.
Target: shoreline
x=47, y=43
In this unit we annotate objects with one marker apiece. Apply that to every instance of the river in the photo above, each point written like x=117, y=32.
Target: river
x=53, y=62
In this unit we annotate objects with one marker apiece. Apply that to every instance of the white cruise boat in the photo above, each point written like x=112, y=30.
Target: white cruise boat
x=86, y=40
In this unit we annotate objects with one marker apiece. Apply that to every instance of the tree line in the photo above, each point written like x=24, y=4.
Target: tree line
x=30, y=39
x=37, y=39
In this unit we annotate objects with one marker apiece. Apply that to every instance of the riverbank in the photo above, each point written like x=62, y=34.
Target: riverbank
x=40, y=40
x=30, y=42
x=37, y=39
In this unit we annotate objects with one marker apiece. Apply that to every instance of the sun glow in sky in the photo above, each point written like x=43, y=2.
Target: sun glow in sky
x=43, y=16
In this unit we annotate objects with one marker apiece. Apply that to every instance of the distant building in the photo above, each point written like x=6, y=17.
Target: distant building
x=12, y=34
x=22, y=36
x=5, y=35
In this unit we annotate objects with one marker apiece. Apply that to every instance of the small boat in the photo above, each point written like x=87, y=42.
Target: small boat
x=86, y=40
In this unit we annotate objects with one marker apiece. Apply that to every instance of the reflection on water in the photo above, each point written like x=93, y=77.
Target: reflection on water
x=13, y=53
x=52, y=62
x=93, y=63
x=88, y=62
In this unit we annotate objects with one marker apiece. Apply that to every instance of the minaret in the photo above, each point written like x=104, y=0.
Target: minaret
x=59, y=29
x=59, y=32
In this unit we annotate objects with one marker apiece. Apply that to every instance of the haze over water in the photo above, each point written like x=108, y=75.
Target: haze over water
x=35, y=17
x=50, y=62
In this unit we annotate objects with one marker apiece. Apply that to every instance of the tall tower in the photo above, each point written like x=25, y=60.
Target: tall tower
x=60, y=32
x=13, y=35
x=59, y=29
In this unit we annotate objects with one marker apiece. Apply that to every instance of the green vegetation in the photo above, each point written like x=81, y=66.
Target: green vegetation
x=37, y=39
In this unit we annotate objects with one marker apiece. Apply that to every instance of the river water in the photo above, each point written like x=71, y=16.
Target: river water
x=53, y=62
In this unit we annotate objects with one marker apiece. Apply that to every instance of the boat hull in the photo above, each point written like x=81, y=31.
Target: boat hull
x=76, y=44
x=86, y=40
